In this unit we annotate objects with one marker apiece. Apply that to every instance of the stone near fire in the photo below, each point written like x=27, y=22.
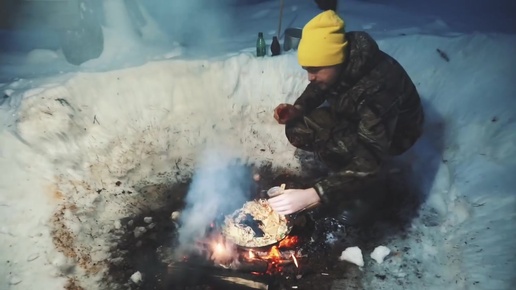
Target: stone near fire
x=380, y=253
x=353, y=255
x=147, y=219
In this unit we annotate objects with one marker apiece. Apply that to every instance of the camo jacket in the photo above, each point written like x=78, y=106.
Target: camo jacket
x=375, y=111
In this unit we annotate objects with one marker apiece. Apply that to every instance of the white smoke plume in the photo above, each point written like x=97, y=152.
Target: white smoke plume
x=220, y=185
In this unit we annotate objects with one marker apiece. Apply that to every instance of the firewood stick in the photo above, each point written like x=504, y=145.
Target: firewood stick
x=242, y=282
x=189, y=274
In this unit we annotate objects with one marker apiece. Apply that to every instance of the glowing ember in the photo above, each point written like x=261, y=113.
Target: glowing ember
x=289, y=242
x=274, y=254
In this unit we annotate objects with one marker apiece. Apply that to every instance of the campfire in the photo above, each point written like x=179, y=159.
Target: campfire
x=251, y=268
x=271, y=260
x=279, y=259
x=301, y=259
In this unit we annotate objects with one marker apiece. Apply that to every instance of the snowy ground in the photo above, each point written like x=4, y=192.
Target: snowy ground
x=73, y=138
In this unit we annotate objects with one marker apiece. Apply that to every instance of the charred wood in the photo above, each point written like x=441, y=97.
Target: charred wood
x=184, y=274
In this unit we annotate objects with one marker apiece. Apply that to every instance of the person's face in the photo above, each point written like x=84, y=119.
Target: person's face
x=324, y=77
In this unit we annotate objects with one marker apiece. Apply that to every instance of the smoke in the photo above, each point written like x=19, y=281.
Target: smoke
x=220, y=185
x=198, y=25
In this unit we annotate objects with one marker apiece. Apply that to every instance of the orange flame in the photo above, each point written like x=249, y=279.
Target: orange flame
x=251, y=254
x=274, y=254
x=288, y=242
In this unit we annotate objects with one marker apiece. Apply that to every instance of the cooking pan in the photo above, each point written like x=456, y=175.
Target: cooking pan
x=283, y=230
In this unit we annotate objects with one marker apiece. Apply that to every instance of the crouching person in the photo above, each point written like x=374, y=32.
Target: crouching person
x=359, y=108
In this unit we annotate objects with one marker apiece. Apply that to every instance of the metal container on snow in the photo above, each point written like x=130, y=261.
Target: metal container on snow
x=292, y=38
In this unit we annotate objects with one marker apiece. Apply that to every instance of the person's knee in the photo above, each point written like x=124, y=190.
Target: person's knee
x=299, y=135
x=303, y=136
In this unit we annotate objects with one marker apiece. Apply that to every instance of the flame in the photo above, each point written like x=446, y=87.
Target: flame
x=274, y=254
x=295, y=260
x=222, y=252
x=218, y=249
x=288, y=242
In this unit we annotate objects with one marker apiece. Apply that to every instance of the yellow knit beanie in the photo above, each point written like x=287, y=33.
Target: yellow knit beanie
x=323, y=41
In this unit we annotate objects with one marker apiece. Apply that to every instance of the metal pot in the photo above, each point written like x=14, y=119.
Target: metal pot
x=292, y=38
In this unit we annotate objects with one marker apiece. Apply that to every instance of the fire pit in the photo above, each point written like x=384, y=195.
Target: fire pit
x=302, y=260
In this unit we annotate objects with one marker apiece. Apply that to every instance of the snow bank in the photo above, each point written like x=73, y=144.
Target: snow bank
x=83, y=141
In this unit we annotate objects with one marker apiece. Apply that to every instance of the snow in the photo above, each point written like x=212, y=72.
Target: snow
x=175, y=215
x=72, y=139
x=136, y=277
x=379, y=253
x=352, y=255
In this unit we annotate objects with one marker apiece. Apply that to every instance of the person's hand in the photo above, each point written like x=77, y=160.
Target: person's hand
x=294, y=200
x=284, y=113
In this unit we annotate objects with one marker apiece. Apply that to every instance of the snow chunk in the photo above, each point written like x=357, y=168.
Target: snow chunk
x=380, y=253
x=63, y=264
x=175, y=215
x=136, y=277
x=353, y=255
x=118, y=225
x=4, y=230
x=147, y=220
x=32, y=257
x=15, y=280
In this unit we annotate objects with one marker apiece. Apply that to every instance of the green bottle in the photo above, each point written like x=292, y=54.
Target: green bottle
x=261, y=49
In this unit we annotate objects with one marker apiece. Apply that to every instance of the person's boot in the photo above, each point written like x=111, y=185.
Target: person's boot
x=363, y=211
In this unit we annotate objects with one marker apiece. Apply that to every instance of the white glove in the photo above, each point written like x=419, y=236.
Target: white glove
x=294, y=200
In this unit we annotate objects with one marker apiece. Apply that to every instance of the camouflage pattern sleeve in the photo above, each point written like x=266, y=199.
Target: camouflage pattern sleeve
x=361, y=148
